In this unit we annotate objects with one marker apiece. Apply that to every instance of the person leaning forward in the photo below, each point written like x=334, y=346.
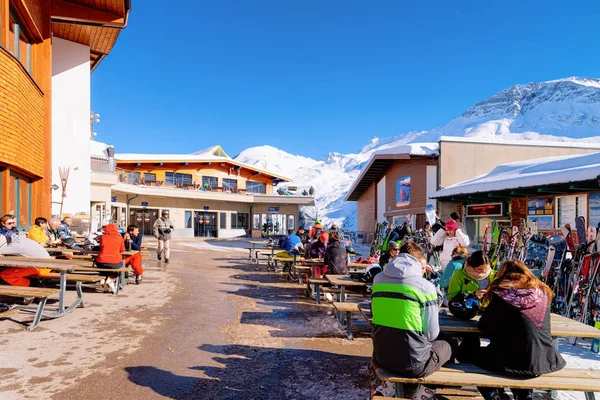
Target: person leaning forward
x=405, y=317
x=162, y=231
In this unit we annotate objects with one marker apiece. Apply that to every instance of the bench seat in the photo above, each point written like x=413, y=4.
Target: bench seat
x=23, y=291
x=348, y=309
x=572, y=379
x=74, y=277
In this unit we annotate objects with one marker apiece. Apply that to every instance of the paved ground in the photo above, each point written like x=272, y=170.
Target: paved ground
x=210, y=325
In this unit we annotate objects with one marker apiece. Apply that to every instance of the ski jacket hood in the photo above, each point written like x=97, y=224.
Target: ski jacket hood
x=531, y=302
x=110, y=229
x=403, y=266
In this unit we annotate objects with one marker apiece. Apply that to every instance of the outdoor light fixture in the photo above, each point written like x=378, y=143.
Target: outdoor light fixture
x=54, y=186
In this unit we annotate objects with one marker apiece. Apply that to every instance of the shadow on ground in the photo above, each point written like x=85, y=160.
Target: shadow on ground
x=248, y=372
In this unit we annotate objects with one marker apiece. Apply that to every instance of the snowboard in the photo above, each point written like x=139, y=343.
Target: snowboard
x=486, y=239
x=581, y=233
x=430, y=214
x=536, y=252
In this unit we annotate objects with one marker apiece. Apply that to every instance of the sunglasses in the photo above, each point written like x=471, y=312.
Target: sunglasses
x=394, y=250
x=11, y=223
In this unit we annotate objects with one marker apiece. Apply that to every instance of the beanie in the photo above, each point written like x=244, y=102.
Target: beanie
x=451, y=225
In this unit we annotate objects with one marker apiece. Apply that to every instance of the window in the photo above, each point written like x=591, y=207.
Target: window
x=148, y=177
x=229, y=184
x=18, y=43
x=188, y=219
x=256, y=221
x=210, y=181
x=290, y=221
x=223, y=220
x=239, y=221
x=255, y=187
x=174, y=178
x=20, y=199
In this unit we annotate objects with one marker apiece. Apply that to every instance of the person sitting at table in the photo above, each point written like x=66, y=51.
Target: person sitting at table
x=405, y=317
x=37, y=232
x=301, y=233
x=21, y=246
x=111, y=247
x=64, y=229
x=459, y=255
x=8, y=226
x=449, y=237
x=316, y=230
x=52, y=230
x=393, y=249
x=517, y=323
x=316, y=250
x=473, y=278
x=292, y=243
x=336, y=257
x=133, y=241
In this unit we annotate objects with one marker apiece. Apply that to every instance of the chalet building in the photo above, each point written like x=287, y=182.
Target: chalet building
x=48, y=49
x=421, y=169
x=208, y=194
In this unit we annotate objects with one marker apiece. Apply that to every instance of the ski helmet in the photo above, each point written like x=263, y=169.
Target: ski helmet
x=371, y=271
x=393, y=245
x=464, y=306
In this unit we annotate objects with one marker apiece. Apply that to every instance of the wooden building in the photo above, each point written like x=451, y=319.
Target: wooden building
x=27, y=30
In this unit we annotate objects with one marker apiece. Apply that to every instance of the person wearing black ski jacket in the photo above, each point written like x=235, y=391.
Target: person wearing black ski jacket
x=336, y=258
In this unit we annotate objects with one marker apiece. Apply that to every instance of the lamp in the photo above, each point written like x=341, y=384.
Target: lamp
x=54, y=186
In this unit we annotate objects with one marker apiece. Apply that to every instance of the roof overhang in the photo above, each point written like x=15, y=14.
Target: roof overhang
x=589, y=185
x=94, y=23
x=372, y=172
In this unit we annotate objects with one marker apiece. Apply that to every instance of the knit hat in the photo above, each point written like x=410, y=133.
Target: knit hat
x=451, y=225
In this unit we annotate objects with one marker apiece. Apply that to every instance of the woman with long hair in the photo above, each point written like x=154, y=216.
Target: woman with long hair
x=517, y=322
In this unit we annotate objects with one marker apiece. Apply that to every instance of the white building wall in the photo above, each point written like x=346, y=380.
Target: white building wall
x=71, y=124
x=431, y=184
x=381, y=200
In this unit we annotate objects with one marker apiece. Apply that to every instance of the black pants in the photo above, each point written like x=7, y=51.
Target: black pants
x=469, y=351
x=109, y=266
x=442, y=351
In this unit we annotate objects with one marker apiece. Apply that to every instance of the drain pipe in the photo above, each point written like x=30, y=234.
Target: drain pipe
x=128, y=204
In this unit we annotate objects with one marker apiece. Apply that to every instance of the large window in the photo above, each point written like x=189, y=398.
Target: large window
x=256, y=221
x=188, y=219
x=210, y=181
x=256, y=187
x=223, y=220
x=229, y=184
x=174, y=179
x=20, y=199
x=18, y=43
x=148, y=177
x=239, y=221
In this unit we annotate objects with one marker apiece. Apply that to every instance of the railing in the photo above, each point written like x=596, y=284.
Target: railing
x=102, y=164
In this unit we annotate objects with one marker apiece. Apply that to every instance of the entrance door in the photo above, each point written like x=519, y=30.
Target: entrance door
x=144, y=218
x=205, y=224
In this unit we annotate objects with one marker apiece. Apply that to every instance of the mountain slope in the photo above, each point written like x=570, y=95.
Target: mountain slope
x=559, y=110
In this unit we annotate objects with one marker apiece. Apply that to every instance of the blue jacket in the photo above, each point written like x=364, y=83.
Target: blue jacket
x=135, y=243
x=453, y=265
x=290, y=242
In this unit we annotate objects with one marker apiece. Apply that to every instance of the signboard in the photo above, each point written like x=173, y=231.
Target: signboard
x=113, y=199
x=205, y=208
x=144, y=204
x=403, y=191
x=540, y=206
x=594, y=209
x=273, y=209
x=567, y=210
x=485, y=210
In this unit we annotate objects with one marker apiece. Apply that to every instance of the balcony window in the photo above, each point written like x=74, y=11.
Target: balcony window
x=256, y=187
x=174, y=179
x=148, y=177
x=18, y=43
x=229, y=184
x=210, y=181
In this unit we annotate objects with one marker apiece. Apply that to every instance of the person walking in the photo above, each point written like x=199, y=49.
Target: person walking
x=162, y=231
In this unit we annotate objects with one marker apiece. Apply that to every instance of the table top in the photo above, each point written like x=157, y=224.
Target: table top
x=561, y=326
x=358, y=265
x=343, y=280
x=255, y=242
x=314, y=261
x=50, y=263
x=64, y=250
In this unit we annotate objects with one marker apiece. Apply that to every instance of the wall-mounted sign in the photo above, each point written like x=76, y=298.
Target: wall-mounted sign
x=594, y=201
x=403, y=191
x=205, y=208
x=485, y=210
x=273, y=209
x=144, y=204
x=540, y=206
x=113, y=199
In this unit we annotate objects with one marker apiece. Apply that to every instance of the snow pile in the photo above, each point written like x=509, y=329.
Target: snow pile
x=563, y=110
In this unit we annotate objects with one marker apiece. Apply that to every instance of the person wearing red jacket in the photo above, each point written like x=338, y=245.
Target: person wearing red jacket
x=111, y=247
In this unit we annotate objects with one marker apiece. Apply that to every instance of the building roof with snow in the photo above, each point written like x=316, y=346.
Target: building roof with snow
x=381, y=160
x=536, y=177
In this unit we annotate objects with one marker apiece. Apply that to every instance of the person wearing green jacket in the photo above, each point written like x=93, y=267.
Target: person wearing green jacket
x=475, y=277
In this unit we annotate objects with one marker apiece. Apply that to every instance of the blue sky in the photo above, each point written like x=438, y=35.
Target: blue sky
x=312, y=77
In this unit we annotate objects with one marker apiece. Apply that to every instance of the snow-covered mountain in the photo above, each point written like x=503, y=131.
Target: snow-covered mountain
x=560, y=110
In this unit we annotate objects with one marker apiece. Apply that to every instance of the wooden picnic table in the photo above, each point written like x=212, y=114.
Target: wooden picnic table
x=62, y=266
x=64, y=250
x=561, y=326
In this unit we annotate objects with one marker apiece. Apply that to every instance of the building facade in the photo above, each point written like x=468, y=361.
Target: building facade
x=47, y=50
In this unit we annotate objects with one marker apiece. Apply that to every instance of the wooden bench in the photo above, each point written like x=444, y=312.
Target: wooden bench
x=316, y=283
x=348, y=309
x=122, y=277
x=458, y=375
x=22, y=291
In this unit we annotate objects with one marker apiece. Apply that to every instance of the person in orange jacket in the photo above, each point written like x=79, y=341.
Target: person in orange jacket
x=111, y=247
x=315, y=231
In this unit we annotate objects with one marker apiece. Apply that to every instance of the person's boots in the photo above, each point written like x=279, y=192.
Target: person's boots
x=492, y=393
x=522, y=394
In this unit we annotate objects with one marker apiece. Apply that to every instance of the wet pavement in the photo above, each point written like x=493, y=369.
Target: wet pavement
x=230, y=330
